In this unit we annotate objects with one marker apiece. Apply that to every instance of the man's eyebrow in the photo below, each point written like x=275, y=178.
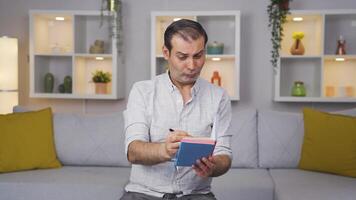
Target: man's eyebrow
x=185, y=54
x=181, y=53
x=200, y=52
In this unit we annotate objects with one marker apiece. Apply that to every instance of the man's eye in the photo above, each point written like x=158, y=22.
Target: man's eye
x=197, y=56
x=182, y=57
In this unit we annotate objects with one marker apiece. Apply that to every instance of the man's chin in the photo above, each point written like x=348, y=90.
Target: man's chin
x=189, y=80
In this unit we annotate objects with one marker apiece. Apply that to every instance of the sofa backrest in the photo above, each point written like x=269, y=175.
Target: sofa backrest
x=90, y=139
x=94, y=140
x=280, y=138
x=244, y=139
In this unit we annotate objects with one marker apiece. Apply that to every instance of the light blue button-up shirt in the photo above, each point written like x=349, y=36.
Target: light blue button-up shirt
x=155, y=106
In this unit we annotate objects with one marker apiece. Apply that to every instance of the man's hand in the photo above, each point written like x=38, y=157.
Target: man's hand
x=171, y=144
x=212, y=166
x=205, y=167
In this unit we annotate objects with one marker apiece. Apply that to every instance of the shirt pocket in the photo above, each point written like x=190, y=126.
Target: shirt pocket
x=202, y=129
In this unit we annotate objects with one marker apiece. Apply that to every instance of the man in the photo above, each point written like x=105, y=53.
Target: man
x=177, y=104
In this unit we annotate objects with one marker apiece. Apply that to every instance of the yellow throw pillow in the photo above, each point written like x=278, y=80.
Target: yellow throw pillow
x=329, y=143
x=26, y=141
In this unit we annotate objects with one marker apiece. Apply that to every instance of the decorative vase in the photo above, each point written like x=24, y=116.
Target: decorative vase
x=216, y=79
x=298, y=89
x=297, y=48
x=101, y=88
x=67, y=84
x=215, y=48
x=48, y=83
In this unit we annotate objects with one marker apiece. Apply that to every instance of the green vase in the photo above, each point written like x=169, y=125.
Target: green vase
x=298, y=89
x=67, y=84
x=48, y=83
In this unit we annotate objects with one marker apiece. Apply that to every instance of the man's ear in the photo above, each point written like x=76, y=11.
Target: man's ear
x=165, y=52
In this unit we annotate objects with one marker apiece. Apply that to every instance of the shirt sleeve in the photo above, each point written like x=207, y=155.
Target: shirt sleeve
x=223, y=143
x=135, y=115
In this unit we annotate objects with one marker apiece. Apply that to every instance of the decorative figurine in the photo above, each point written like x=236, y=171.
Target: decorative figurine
x=341, y=43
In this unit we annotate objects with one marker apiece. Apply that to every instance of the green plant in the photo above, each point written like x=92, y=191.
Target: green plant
x=101, y=77
x=277, y=13
x=113, y=9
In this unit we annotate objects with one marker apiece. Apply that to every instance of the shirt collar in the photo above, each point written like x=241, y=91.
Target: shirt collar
x=168, y=82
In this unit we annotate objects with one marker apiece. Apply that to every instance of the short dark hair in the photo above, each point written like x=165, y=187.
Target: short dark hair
x=185, y=28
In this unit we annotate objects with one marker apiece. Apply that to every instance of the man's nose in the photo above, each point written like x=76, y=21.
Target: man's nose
x=191, y=64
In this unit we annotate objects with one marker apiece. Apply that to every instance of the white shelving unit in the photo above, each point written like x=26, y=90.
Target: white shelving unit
x=61, y=47
x=325, y=79
x=221, y=26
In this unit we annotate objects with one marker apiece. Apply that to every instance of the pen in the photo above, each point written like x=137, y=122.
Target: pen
x=173, y=159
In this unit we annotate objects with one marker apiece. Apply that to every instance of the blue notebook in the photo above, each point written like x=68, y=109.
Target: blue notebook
x=191, y=149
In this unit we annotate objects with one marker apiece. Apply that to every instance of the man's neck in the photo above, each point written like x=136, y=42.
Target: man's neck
x=184, y=89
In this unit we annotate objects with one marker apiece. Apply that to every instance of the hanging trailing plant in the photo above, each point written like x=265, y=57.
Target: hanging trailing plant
x=277, y=13
x=113, y=8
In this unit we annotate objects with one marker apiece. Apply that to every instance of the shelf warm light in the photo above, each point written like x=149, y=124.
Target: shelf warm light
x=215, y=59
x=99, y=58
x=176, y=19
x=340, y=59
x=60, y=18
x=297, y=19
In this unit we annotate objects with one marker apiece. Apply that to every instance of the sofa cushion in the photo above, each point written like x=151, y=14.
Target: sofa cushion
x=329, y=143
x=89, y=183
x=244, y=140
x=26, y=141
x=244, y=184
x=280, y=138
x=280, y=135
x=295, y=184
x=90, y=139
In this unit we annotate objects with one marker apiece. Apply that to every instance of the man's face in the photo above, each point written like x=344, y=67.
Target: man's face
x=185, y=60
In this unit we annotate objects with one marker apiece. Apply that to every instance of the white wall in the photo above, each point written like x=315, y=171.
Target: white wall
x=256, y=70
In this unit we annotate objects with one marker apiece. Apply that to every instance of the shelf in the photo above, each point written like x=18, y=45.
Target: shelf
x=339, y=78
x=85, y=67
x=221, y=26
x=226, y=71
x=59, y=66
x=336, y=25
x=72, y=96
x=326, y=76
x=88, y=30
x=315, y=99
x=308, y=71
x=70, y=56
x=300, y=57
x=312, y=26
x=47, y=39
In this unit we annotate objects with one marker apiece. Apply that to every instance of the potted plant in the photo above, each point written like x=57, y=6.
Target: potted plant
x=113, y=9
x=101, y=79
x=277, y=13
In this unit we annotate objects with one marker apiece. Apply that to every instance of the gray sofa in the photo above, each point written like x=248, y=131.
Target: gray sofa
x=266, y=147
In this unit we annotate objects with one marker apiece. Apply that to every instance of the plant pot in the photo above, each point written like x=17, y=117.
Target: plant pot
x=284, y=5
x=297, y=48
x=101, y=88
